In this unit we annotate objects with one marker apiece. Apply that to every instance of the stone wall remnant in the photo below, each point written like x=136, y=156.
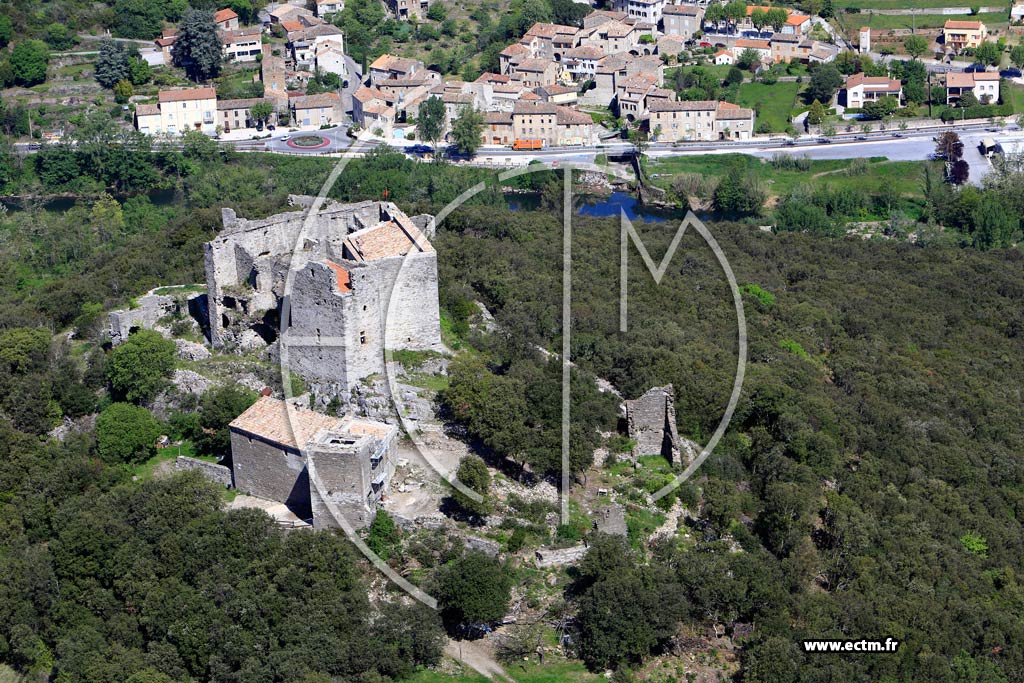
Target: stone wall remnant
x=651, y=421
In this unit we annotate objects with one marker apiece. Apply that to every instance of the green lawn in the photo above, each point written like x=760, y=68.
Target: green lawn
x=1014, y=94
x=773, y=103
x=146, y=469
x=904, y=176
x=904, y=4
x=891, y=21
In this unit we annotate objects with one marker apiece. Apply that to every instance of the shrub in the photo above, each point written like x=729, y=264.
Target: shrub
x=126, y=433
x=764, y=298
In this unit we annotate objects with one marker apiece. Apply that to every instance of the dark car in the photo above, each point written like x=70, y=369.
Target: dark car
x=862, y=137
x=271, y=126
x=898, y=135
x=1010, y=73
x=824, y=141
x=453, y=152
x=789, y=143
x=977, y=66
x=420, y=149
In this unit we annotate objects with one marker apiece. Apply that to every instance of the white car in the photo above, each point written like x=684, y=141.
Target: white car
x=286, y=138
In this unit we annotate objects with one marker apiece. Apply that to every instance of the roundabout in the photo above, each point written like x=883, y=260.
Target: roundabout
x=308, y=142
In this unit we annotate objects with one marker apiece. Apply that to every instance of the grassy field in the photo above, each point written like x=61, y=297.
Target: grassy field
x=922, y=21
x=904, y=176
x=1014, y=94
x=907, y=4
x=772, y=102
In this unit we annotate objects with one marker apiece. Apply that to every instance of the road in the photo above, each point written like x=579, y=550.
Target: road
x=910, y=145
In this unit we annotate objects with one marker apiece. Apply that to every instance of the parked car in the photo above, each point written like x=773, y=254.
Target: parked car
x=977, y=66
x=1010, y=73
x=271, y=126
x=824, y=140
x=789, y=143
x=898, y=135
x=420, y=149
x=286, y=138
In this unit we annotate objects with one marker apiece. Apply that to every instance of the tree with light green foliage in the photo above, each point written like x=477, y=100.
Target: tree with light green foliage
x=383, y=537
x=430, y=121
x=467, y=129
x=915, y=46
x=987, y=53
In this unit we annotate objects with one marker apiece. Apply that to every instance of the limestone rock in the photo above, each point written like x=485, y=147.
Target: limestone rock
x=190, y=382
x=189, y=350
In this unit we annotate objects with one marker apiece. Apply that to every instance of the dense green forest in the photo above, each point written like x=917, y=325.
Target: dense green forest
x=871, y=480
x=872, y=473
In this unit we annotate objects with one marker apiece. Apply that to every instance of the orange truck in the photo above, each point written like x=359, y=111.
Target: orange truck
x=528, y=144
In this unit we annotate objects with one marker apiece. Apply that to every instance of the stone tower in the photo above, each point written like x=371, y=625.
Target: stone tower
x=651, y=421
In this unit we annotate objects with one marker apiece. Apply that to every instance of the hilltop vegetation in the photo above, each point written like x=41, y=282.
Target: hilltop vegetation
x=869, y=485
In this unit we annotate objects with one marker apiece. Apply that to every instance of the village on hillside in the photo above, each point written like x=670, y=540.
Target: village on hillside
x=560, y=85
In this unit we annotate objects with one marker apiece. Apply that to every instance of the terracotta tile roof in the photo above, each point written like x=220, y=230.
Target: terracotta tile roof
x=619, y=30
x=273, y=420
x=223, y=105
x=291, y=25
x=584, y=52
x=393, y=238
x=550, y=30
x=343, y=280
x=515, y=49
x=147, y=109
x=534, y=65
x=873, y=83
x=567, y=116
x=688, y=10
x=488, y=77
x=962, y=25
x=968, y=79
x=685, y=105
x=188, y=95
x=796, y=19
x=324, y=99
x=523, y=107
x=165, y=42
x=226, y=14
x=753, y=44
x=498, y=117
x=733, y=113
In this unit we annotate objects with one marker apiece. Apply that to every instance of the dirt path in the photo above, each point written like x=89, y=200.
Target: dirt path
x=475, y=657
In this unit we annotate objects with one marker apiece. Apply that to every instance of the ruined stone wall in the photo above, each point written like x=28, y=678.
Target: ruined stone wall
x=335, y=337
x=266, y=471
x=144, y=315
x=651, y=420
x=409, y=296
x=218, y=474
x=255, y=254
x=347, y=479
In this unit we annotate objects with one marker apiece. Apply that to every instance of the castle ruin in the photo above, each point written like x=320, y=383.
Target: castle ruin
x=363, y=278
x=274, y=442
x=651, y=423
